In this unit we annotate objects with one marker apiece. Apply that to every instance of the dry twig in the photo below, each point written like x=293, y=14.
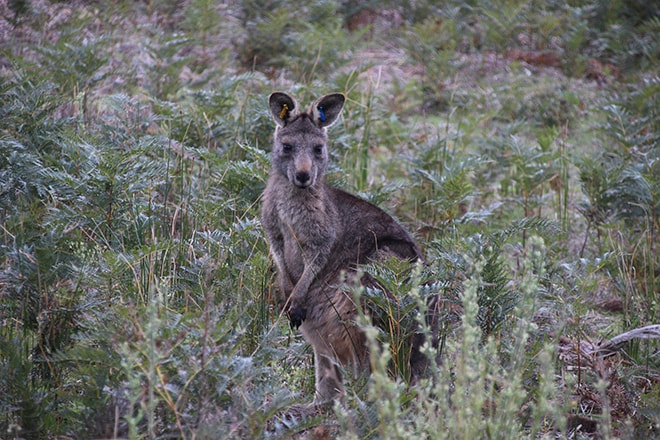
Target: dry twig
x=591, y=354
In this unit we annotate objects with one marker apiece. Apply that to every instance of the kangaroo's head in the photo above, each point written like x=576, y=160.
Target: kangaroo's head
x=300, y=148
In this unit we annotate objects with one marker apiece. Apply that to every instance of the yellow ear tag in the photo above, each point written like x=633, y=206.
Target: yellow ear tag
x=285, y=110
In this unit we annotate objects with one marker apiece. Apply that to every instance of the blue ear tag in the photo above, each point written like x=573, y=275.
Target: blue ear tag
x=321, y=114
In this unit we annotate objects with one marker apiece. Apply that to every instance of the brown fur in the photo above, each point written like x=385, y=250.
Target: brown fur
x=315, y=233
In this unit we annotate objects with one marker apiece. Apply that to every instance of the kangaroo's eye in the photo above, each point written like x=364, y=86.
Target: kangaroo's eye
x=286, y=148
x=318, y=149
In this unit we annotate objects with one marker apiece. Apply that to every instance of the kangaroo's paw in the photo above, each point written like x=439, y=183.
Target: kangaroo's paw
x=297, y=314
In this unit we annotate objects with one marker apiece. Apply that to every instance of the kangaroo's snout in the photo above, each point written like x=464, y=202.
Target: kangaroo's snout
x=302, y=178
x=303, y=169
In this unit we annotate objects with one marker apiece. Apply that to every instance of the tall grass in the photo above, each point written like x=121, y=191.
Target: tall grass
x=496, y=387
x=136, y=291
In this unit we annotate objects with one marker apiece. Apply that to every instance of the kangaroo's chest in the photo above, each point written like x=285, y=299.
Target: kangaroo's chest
x=299, y=224
x=307, y=230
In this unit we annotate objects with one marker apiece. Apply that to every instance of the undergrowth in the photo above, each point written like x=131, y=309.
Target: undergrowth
x=518, y=141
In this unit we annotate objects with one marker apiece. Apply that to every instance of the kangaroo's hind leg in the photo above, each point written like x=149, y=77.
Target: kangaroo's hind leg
x=339, y=344
x=328, y=377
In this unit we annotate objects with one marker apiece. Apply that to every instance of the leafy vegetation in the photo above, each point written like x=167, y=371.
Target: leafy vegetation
x=518, y=141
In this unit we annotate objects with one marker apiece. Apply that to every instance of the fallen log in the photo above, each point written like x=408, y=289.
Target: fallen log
x=587, y=353
x=611, y=347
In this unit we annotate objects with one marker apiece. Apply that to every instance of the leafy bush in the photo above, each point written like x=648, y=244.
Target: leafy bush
x=622, y=186
x=304, y=40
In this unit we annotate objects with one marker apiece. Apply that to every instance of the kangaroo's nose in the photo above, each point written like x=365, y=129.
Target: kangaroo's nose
x=302, y=177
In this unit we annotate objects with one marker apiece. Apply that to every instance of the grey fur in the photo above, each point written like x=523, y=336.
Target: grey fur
x=315, y=233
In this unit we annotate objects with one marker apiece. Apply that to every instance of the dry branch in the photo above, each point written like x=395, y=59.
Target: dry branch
x=611, y=347
x=589, y=354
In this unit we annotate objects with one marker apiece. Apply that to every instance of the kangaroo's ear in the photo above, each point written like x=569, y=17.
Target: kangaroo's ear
x=326, y=109
x=282, y=107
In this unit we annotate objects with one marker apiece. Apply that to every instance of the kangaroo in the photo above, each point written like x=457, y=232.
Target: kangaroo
x=315, y=233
